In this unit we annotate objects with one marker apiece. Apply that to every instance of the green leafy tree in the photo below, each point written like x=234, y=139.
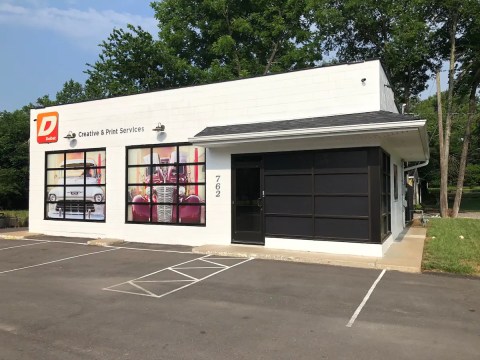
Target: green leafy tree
x=42, y=101
x=468, y=85
x=14, y=134
x=228, y=39
x=472, y=175
x=456, y=39
x=132, y=61
x=427, y=109
x=397, y=32
x=204, y=41
x=71, y=92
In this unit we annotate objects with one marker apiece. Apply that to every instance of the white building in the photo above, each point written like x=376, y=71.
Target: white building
x=307, y=160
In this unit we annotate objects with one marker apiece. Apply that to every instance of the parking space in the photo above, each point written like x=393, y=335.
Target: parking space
x=440, y=314
x=174, y=278
x=63, y=300
x=19, y=257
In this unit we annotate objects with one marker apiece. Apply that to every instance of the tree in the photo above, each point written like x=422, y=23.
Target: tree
x=204, y=41
x=229, y=39
x=71, y=92
x=14, y=134
x=428, y=109
x=14, y=146
x=456, y=22
x=42, y=101
x=469, y=82
x=397, y=32
x=132, y=61
x=201, y=41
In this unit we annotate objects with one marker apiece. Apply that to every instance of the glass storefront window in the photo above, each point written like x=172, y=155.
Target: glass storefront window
x=166, y=184
x=192, y=154
x=75, y=185
x=138, y=156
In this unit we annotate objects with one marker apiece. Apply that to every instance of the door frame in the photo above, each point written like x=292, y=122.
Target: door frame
x=260, y=162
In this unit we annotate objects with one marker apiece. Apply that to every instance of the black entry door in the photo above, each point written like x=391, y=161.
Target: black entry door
x=247, y=200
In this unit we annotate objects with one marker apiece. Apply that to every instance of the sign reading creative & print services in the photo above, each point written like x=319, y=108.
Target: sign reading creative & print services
x=111, y=131
x=47, y=127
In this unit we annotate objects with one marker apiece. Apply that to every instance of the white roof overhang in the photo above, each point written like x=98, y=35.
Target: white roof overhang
x=408, y=139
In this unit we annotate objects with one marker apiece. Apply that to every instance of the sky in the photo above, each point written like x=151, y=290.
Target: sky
x=44, y=43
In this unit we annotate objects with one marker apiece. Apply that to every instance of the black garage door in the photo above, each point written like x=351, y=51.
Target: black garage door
x=326, y=195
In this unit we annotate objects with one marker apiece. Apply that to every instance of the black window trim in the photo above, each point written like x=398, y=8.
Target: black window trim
x=386, y=214
x=177, y=183
x=46, y=185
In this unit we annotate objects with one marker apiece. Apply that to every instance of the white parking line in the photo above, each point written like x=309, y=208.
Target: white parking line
x=174, y=269
x=365, y=299
x=214, y=263
x=163, y=281
x=141, y=288
x=168, y=268
x=17, y=246
x=153, y=250
x=194, y=267
x=204, y=278
x=52, y=241
x=180, y=273
x=23, y=239
x=54, y=261
x=107, y=246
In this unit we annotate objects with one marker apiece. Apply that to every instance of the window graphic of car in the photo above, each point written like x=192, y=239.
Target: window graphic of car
x=70, y=199
x=165, y=213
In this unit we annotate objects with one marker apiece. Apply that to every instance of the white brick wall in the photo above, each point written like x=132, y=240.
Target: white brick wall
x=185, y=112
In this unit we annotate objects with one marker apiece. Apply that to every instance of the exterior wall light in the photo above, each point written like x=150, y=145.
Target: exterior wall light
x=70, y=136
x=159, y=128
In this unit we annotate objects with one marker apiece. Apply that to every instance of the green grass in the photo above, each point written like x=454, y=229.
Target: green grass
x=446, y=251
x=22, y=216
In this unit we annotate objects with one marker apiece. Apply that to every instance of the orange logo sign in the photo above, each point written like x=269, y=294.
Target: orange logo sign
x=47, y=127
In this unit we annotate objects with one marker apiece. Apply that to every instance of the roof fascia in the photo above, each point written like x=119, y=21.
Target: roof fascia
x=310, y=132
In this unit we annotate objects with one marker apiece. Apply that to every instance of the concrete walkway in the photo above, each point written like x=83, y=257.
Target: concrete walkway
x=405, y=254
x=15, y=233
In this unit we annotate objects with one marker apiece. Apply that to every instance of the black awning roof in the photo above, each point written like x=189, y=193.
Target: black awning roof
x=375, y=117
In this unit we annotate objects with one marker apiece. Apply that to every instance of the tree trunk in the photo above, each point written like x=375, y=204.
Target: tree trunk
x=448, y=121
x=271, y=58
x=472, y=107
x=443, y=161
x=236, y=59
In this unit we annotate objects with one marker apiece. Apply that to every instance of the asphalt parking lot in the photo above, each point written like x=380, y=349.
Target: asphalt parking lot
x=65, y=300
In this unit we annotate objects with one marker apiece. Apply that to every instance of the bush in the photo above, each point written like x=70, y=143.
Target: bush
x=472, y=175
x=16, y=218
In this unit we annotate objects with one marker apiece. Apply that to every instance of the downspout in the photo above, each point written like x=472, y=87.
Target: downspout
x=425, y=163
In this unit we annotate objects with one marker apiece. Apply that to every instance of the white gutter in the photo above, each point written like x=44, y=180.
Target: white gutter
x=425, y=163
x=326, y=131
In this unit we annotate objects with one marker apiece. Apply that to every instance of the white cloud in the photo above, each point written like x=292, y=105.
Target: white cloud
x=87, y=27
x=9, y=9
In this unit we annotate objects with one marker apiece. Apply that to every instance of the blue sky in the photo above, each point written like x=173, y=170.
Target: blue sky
x=44, y=43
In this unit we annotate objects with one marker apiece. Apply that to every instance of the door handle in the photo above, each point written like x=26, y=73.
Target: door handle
x=259, y=203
